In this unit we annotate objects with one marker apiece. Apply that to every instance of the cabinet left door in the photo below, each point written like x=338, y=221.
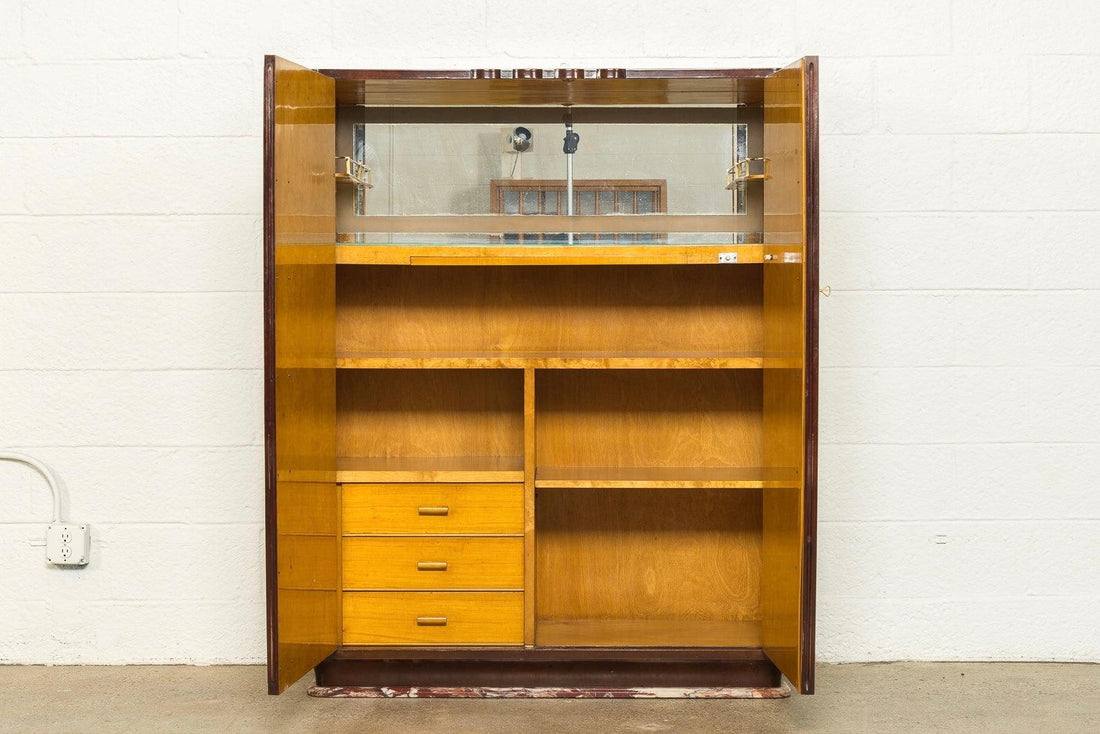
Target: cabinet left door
x=302, y=530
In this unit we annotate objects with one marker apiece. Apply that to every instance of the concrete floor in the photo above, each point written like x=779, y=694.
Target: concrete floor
x=880, y=698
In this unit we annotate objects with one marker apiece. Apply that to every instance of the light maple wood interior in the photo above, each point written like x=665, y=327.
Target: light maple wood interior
x=468, y=418
x=689, y=419
x=516, y=313
x=785, y=310
x=652, y=567
x=629, y=396
x=302, y=210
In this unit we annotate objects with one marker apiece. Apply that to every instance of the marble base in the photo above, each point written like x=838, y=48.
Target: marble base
x=485, y=692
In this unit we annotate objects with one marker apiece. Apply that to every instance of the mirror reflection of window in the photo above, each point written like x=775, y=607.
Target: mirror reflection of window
x=549, y=202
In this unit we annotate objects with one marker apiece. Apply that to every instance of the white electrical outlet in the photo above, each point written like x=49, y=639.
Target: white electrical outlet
x=68, y=544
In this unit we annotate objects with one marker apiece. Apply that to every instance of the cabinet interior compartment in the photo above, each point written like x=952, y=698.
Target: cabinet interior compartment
x=429, y=425
x=386, y=314
x=703, y=423
x=649, y=507
x=651, y=567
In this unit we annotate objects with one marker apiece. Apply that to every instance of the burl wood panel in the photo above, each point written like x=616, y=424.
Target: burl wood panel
x=509, y=310
x=650, y=567
x=539, y=87
x=300, y=380
x=784, y=333
x=304, y=161
x=430, y=413
x=648, y=418
x=784, y=146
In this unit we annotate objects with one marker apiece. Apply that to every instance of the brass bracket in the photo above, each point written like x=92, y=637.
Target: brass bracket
x=744, y=169
x=355, y=172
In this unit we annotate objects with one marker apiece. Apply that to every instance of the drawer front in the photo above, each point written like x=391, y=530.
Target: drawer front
x=433, y=563
x=433, y=508
x=433, y=618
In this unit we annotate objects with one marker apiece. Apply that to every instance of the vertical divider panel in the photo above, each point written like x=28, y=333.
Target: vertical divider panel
x=529, y=507
x=302, y=518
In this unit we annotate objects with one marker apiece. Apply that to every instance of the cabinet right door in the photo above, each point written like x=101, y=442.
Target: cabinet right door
x=790, y=371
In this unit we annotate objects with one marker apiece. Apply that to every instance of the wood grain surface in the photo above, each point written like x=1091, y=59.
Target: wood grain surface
x=299, y=372
x=472, y=618
x=689, y=312
x=433, y=508
x=648, y=555
x=429, y=413
x=433, y=563
x=648, y=418
x=784, y=332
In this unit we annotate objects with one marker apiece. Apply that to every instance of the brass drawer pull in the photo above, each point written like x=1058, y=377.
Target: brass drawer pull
x=434, y=511
x=431, y=565
x=431, y=621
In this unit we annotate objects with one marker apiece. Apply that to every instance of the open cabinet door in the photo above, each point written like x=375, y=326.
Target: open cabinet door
x=790, y=370
x=303, y=622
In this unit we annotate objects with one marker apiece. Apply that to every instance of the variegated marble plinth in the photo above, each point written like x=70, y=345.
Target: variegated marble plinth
x=487, y=692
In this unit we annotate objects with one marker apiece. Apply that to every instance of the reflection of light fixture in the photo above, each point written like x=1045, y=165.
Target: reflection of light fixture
x=520, y=139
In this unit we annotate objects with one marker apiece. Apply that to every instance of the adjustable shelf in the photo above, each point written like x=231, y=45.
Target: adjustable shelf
x=649, y=633
x=550, y=360
x=664, y=477
x=430, y=469
x=485, y=254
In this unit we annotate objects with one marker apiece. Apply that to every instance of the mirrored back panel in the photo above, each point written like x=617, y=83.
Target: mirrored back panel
x=576, y=175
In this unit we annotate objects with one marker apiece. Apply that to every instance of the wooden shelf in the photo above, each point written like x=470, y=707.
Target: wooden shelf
x=647, y=633
x=430, y=469
x=663, y=477
x=554, y=360
x=482, y=255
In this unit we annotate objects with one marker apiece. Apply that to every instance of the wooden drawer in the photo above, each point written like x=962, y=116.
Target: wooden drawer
x=433, y=508
x=433, y=618
x=433, y=563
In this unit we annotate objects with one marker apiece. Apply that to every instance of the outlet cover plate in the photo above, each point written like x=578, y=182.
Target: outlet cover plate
x=68, y=544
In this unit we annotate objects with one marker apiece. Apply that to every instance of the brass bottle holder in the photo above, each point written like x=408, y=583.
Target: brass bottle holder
x=748, y=169
x=355, y=172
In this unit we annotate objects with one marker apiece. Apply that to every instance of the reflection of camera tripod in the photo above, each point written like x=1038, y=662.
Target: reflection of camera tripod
x=569, y=148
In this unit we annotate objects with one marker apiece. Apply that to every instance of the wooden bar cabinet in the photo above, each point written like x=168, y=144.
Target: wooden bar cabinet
x=516, y=443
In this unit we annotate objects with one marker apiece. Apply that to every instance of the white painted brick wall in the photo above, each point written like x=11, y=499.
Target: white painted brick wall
x=960, y=407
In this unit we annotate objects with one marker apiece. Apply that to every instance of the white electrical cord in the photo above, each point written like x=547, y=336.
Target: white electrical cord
x=47, y=474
